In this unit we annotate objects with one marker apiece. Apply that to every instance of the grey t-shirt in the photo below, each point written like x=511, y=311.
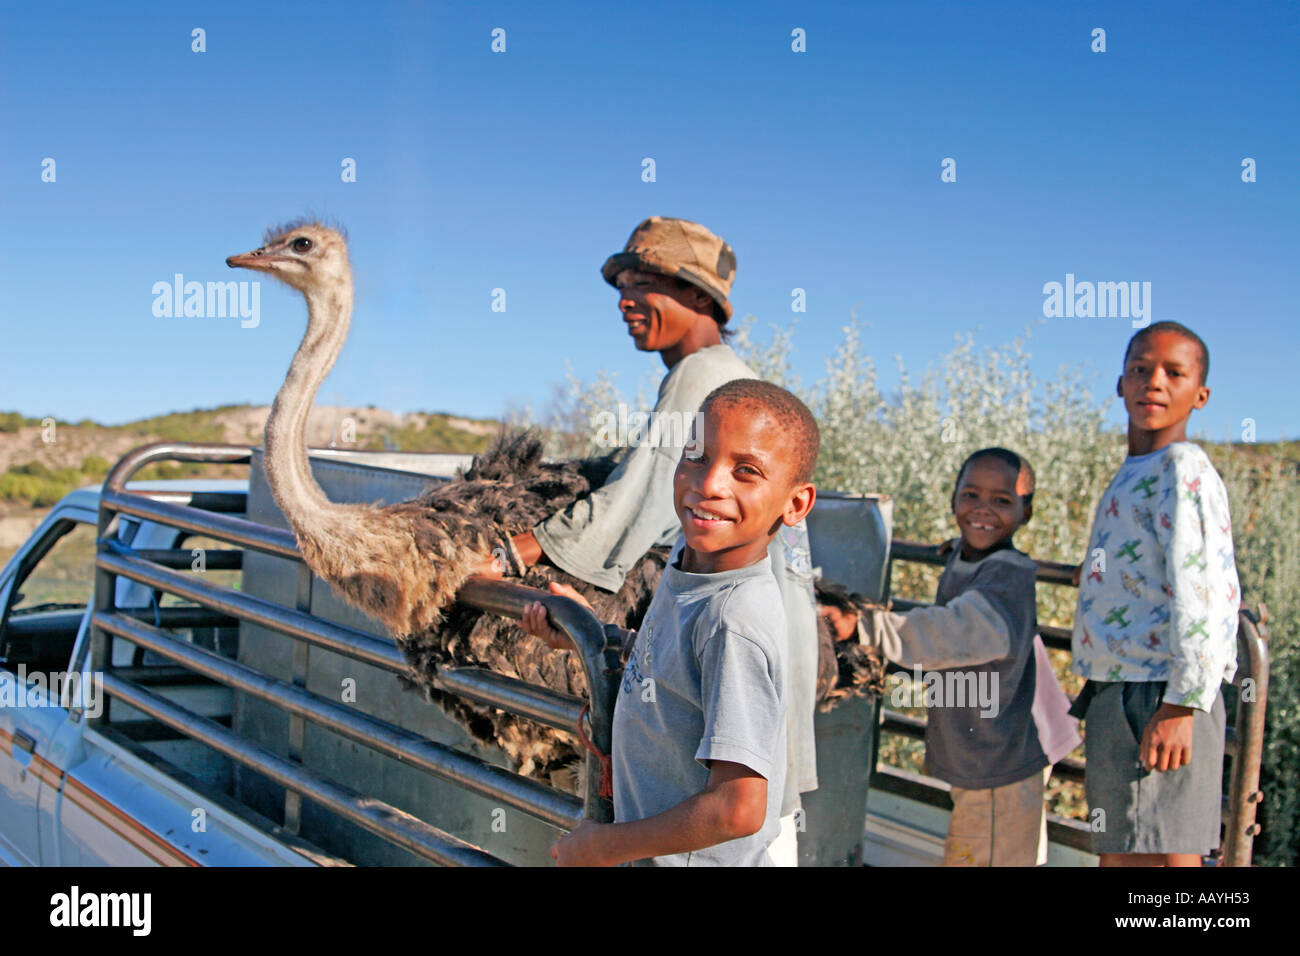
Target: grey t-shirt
x=601, y=537
x=705, y=682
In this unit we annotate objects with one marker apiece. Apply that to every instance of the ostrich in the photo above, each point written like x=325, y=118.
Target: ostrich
x=403, y=564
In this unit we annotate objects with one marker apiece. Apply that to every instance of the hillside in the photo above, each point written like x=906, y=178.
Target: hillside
x=35, y=472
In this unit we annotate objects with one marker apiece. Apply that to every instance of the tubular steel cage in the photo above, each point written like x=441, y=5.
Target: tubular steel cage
x=1243, y=743
x=225, y=606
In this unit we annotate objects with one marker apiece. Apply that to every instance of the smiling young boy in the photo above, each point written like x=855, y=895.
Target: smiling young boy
x=699, y=736
x=976, y=643
x=674, y=279
x=1156, y=624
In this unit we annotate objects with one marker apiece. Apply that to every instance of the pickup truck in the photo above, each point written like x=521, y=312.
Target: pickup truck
x=176, y=688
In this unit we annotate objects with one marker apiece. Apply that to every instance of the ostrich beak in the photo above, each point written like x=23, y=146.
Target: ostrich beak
x=259, y=260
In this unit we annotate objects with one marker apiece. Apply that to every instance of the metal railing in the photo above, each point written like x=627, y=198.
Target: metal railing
x=153, y=569
x=1243, y=742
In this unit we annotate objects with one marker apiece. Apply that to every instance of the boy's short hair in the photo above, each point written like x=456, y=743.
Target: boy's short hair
x=1178, y=329
x=1018, y=463
x=791, y=414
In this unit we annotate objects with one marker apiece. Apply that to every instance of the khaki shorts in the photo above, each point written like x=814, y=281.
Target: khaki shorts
x=1134, y=810
x=1001, y=826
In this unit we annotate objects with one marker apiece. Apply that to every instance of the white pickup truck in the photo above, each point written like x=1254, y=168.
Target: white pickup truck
x=176, y=688
x=72, y=795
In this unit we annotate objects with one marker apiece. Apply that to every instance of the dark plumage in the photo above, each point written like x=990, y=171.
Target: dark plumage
x=507, y=490
x=510, y=488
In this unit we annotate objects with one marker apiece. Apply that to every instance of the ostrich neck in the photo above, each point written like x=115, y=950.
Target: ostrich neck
x=304, y=503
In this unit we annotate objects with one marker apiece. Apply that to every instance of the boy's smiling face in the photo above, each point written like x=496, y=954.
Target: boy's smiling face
x=732, y=489
x=1161, y=384
x=988, y=505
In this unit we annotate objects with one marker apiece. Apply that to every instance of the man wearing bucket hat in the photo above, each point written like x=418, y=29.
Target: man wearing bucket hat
x=674, y=278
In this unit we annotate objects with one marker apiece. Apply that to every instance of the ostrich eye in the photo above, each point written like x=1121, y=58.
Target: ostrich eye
x=302, y=244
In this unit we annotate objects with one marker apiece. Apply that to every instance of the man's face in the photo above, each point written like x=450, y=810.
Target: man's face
x=658, y=314
x=733, y=485
x=1161, y=383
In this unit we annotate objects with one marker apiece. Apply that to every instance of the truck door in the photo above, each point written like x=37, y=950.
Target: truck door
x=45, y=590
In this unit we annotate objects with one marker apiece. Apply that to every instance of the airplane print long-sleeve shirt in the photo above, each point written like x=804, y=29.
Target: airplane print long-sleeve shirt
x=1159, y=595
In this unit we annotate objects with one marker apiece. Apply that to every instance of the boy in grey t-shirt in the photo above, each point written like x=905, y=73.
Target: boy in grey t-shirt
x=699, y=740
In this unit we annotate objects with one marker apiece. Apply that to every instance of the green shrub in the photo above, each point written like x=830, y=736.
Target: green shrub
x=94, y=467
x=12, y=421
x=18, y=487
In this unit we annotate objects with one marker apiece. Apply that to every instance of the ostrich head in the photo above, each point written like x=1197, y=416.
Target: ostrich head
x=304, y=255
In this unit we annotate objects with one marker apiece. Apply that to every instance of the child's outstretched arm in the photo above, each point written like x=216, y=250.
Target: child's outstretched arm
x=732, y=805
x=967, y=631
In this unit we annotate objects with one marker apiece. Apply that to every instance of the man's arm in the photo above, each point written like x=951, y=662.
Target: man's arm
x=731, y=806
x=600, y=537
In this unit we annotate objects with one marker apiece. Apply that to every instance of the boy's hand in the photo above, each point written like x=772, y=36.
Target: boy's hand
x=580, y=847
x=1167, y=740
x=564, y=590
x=536, y=621
x=1077, y=576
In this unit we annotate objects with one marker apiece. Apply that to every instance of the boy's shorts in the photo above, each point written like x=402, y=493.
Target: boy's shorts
x=1000, y=826
x=1148, y=811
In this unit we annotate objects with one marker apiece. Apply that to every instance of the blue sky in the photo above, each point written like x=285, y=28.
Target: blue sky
x=522, y=170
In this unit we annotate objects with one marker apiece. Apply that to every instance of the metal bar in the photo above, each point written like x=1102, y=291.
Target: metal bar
x=536, y=799
x=225, y=502
x=332, y=637
x=527, y=700
x=241, y=531
x=181, y=617
x=382, y=819
x=1050, y=572
x=1243, y=789
x=297, y=724
x=137, y=458
x=599, y=662
x=181, y=559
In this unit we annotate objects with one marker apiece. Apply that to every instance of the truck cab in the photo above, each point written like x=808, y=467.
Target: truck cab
x=71, y=795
